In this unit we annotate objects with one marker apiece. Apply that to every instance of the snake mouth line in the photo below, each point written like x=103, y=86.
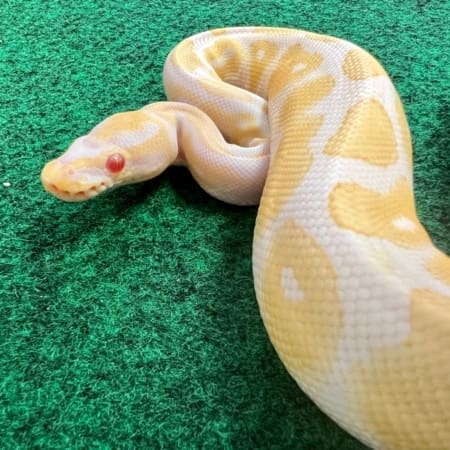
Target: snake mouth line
x=76, y=196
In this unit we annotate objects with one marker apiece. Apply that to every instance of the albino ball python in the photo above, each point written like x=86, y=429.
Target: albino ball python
x=354, y=296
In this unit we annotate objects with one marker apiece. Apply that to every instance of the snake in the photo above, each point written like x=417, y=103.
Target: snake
x=354, y=295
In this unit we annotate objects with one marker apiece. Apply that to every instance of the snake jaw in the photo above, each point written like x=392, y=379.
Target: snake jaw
x=65, y=183
x=77, y=196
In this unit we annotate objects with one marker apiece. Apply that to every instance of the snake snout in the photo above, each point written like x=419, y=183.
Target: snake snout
x=64, y=182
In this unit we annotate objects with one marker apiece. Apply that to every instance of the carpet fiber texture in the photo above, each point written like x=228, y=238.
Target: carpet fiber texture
x=131, y=321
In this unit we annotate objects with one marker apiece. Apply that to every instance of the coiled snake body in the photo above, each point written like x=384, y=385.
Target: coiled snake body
x=354, y=296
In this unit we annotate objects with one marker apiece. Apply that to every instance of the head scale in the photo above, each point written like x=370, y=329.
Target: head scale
x=125, y=148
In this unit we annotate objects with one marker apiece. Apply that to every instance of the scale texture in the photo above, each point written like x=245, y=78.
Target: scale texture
x=354, y=295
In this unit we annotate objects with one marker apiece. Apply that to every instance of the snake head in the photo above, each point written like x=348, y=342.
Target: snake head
x=88, y=168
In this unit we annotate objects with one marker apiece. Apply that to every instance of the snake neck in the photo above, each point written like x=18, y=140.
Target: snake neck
x=234, y=172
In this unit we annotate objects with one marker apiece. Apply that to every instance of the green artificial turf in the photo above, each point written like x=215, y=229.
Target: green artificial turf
x=131, y=321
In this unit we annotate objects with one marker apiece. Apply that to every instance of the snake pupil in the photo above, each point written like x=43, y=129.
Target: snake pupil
x=115, y=163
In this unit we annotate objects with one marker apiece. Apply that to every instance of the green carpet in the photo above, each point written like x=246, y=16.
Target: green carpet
x=131, y=321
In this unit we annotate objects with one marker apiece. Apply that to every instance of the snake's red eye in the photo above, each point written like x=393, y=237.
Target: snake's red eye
x=115, y=163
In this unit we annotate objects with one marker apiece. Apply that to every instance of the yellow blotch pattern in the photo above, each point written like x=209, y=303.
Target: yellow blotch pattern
x=262, y=56
x=367, y=134
x=359, y=65
x=294, y=65
x=321, y=37
x=212, y=175
x=117, y=129
x=439, y=266
x=304, y=332
x=238, y=127
x=187, y=56
x=403, y=391
x=248, y=131
x=404, y=129
x=391, y=216
x=226, y=56
x=219, y=32
x=128, y=122
x=292, y=158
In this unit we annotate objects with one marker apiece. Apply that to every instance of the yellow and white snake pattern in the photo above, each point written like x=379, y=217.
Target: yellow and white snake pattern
x=353, y=294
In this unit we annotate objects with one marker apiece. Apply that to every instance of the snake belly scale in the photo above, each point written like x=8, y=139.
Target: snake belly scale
x=354, y=295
